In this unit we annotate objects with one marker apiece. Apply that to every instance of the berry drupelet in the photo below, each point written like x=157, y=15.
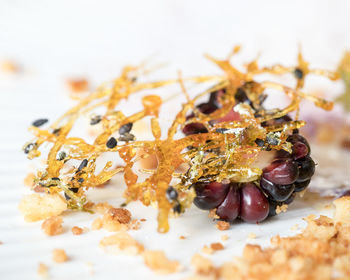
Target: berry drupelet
x=253, y=202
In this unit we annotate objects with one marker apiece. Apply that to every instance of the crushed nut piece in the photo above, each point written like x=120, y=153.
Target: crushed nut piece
x=77, y=230
x=158, y=262
x=37, y=207
x=59, y=256
x=121, y=242
x=222, y=225
x=52, y=226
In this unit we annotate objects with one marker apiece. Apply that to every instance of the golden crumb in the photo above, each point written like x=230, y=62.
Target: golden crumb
x=207, y=250
x=143, y=220
x=182, y=237
x=202, y=265
x=52, y=226
x=212, y=214
x=39, y=189
x=342, y=210
x=59, y=256
x=295, y=227
x=282, y=208
x=159, y=263
x=121, y=242
x=78, y=85
x=43, y=270
x=252, y=235
x=222, y=225
x=77, y=230
x=217, y=246
x=9, y=66
x=37, y=207
x=224, y=237
x=101, y=207
x=96, y=224
x=116, y=219
x=29, y=180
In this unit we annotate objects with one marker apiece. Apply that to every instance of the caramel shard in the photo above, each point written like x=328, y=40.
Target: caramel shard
x=37, y=207
x=342, y=210
x=222, y=225
x=59, y=256
x=77, y=230
x=52, y=226
x=121, y=243
x=159, y=263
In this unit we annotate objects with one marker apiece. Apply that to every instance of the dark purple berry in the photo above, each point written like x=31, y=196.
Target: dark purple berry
x=276, y=192
x=306, y=168
x=300, y=186
x=300, y=147
x=210, y=195
x=254, y=204
x=281, y=172
x=274, y=204
x=194, y=128
x=228, y=210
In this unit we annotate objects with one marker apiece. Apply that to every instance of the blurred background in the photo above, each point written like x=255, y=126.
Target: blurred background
x=50, y=49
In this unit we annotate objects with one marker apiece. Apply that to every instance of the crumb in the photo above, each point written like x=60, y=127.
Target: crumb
x=43, y=270
x=52, y=226
x=342, y=210
x=282, y=208
x=212, y=214
x=29, y=180
x=222, y=225
x=59, y=256
x=121, y=242
x=134, y=224
x=78, y=85
x=1, y=242
x=143, y=220
x=89, y=206
x=207, y=250
x=252, y=235
x=77, y=230
x=327, y=207
x=158, y=262
x=9, y=66
x=217, y=246
x=101, y=207
x=116, y=219
x=202, y=265
x=224, y=237
x=39, y=189
x=37, y=207
x=182, y=237
x=96, y=224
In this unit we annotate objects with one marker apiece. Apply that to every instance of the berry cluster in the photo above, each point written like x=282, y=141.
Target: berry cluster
x=253, y=202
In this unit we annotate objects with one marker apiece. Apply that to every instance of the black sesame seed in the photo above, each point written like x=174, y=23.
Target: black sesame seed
x=259, y=142
x=177, y=208
x=82, y=165
x=55, y=178
x=61, y=156
x=171, y=193
x=56, y=131
x=126, y=137
x=80, y=180
x=298, y=73
x=75, y=190
x=221, y=130
x=28, y=148
x=95, y=120
x=39, y=122
x=125, y=128
x=111, y=143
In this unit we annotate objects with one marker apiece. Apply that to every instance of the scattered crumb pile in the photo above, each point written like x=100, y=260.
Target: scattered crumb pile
x=321, y=251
